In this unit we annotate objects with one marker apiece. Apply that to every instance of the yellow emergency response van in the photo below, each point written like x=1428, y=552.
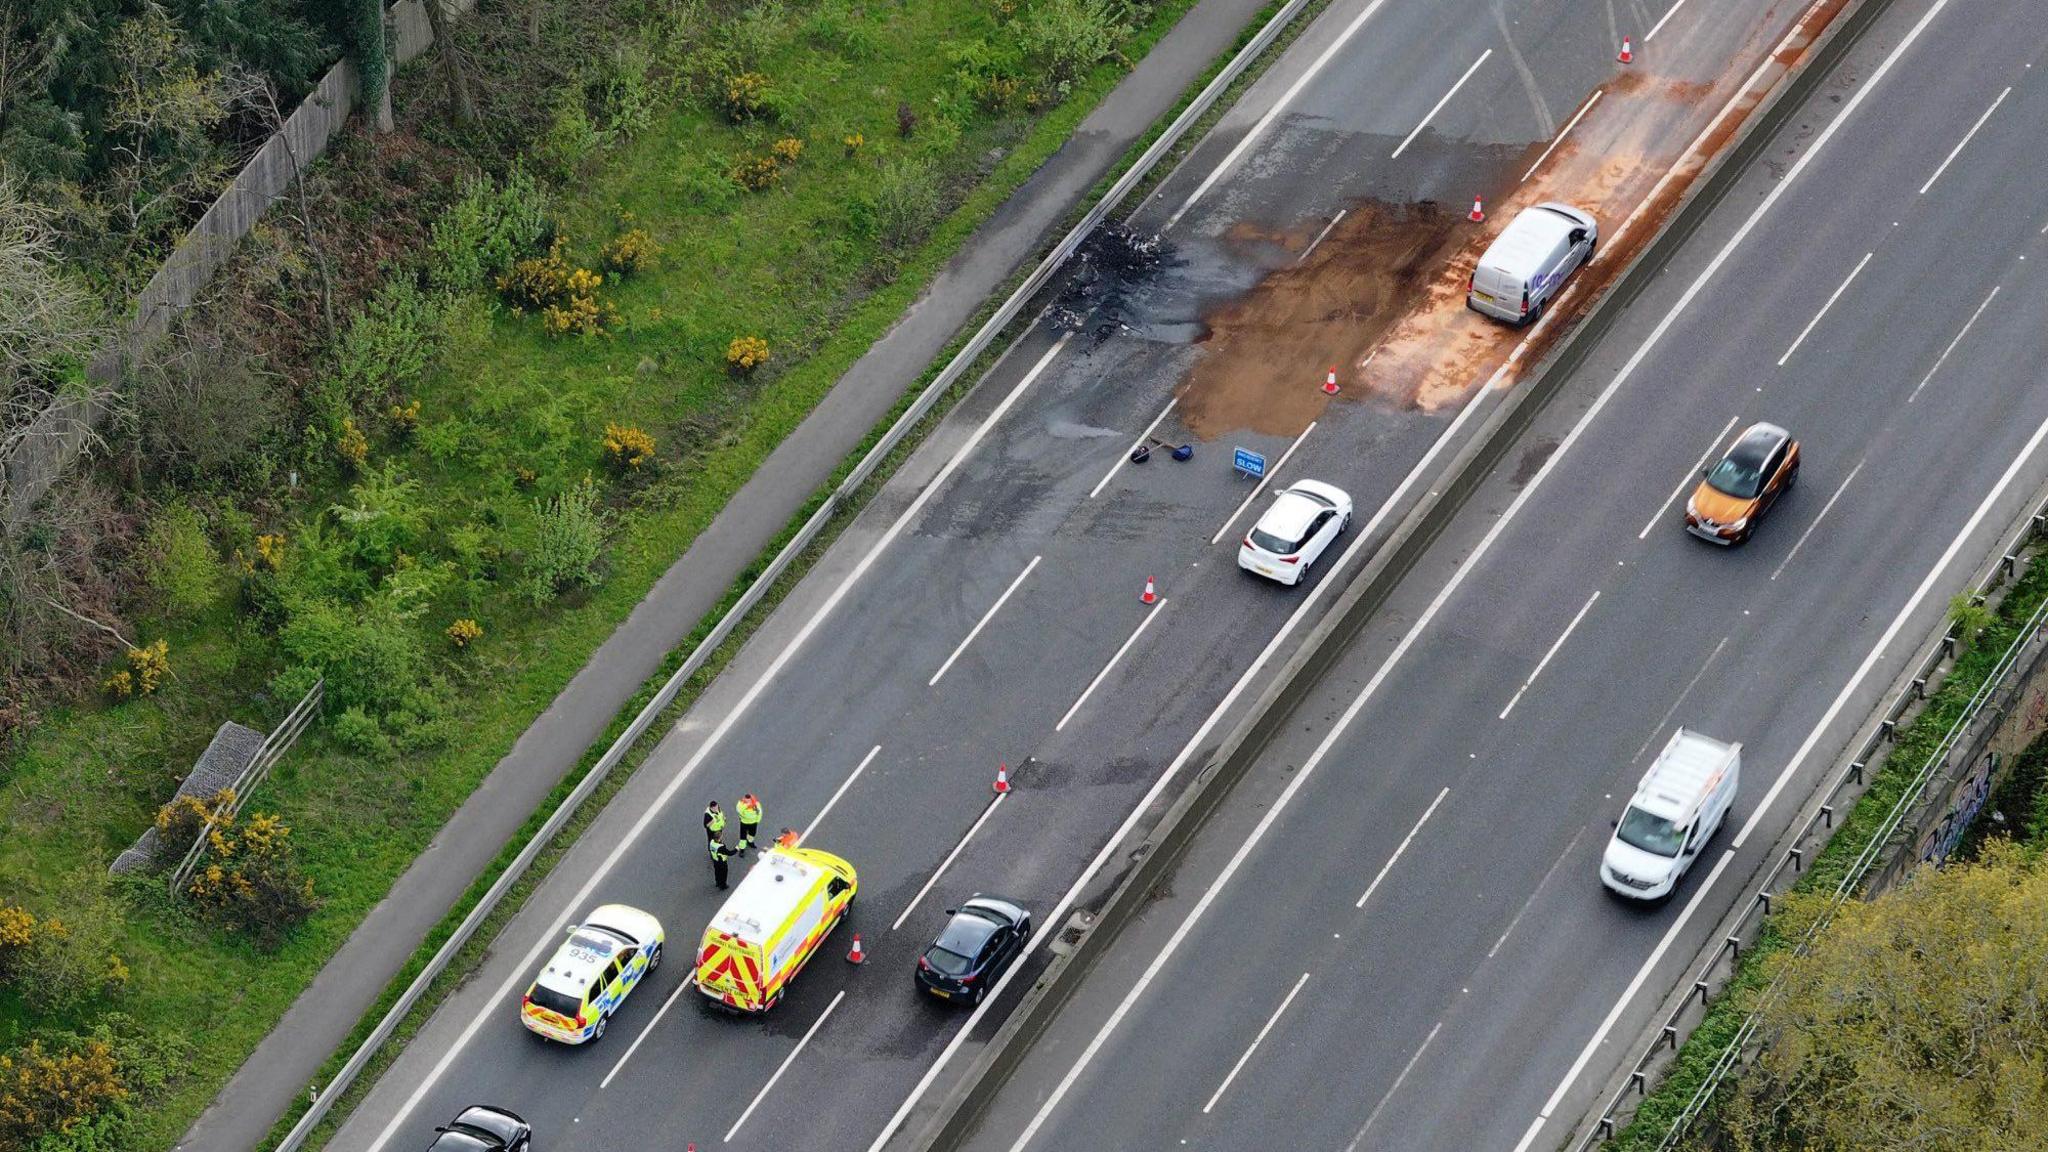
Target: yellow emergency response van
x=774, y=922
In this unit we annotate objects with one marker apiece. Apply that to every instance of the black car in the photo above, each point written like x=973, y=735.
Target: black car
x=482, y=1128
x=985, y=935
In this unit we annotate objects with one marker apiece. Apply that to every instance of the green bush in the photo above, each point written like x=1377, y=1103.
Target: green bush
x=388, y=345
x=71, y=1092
x=358, y=731
x=179, y=563
x=250, y=881
x=69, y=959
x=571, y=138
x=905, y=201
x=630, y=96
x=485, y=232
x=568, y=542
x=383, y=520
x=1063, y=39
x=371, y=655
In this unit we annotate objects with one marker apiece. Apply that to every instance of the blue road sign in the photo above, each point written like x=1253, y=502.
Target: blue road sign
x=1250, y=463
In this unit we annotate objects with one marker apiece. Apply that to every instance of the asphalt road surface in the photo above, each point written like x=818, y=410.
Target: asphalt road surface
x=985, y=609
x=1393, y=937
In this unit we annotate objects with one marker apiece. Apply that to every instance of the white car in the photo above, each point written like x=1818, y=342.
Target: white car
x=1300, y=526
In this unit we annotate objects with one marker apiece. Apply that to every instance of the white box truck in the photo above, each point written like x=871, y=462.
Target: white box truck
x=1682, y=800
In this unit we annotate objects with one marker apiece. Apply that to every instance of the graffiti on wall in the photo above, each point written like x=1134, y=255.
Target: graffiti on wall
x=1965, y=801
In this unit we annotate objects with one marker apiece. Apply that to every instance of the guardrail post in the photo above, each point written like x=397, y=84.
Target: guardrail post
x=1700, y=986
x=2034, y=526
x=1827, y=815
x=1639, y=1082
x=1948, y=644
x=1764, y=898
x=1884, y=732
x=1734, y=943
x=1670, y=1033
x=1607, y=1127
x=1856, y=771
x=1920, y=688
x=2008, y=562
x=1798, y=859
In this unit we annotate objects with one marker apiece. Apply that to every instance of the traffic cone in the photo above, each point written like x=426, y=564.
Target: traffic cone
x=856, y=956
x=1478, y=211
x=1002, y=779
x=1330, y=383
x=1628, y=55
x=1150, y=596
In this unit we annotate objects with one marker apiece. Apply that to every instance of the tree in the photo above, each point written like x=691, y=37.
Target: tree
x=1914, y=1022
x=461, y=108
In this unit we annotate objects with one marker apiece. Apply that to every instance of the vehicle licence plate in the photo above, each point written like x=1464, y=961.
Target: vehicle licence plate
x=941, y=993
x=1482, y=296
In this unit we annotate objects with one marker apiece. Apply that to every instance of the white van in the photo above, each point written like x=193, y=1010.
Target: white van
x=1526, y=265
x=1680, y=803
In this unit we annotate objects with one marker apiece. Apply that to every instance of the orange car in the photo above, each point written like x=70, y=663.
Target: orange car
x=1760, y=467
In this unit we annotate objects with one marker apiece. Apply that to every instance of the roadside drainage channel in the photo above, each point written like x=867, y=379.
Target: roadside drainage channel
x=1094, y=927
x=841, y=497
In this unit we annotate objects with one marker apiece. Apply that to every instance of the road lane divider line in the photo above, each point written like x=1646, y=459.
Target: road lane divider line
x=1256, y=1041
x=1537, y=891
x=1927, y=585
x=1567, y=130
x=688, y=983
x=1662, y=20
x=1664, y=721
x=1964, y=142
x=786, y=1062
x=1143, y=437
x=804, y=833
x=986, y=812
x=1151, y=615
x=1439, y=105
x=1054, y=920
x=1374, y=1115
x=1832, y=297
x=1261, y=485
x=1341, y=212
x=1801, y=542
x=1943, y=358
x=1614, y=1014
x=1401, y=848
x=1554, y=646
x=1691, y=478
x=725, y=725
x=983, y=622
x=1266, y=121
x=1465, y=568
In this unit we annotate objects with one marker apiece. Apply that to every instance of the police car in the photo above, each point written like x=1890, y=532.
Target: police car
x=591, y=974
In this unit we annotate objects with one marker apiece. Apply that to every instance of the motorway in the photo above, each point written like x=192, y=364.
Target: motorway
x=1393, y=936
x=984, y=609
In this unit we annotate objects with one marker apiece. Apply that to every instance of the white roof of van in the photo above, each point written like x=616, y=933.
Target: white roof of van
x=771, y=891
x=1533, y=232
x=1684, y=773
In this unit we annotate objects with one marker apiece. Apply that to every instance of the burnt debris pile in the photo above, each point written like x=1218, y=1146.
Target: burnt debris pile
x=1113, y=260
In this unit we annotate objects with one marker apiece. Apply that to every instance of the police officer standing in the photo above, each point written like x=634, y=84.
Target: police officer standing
x=720, y=855
x=714, y=821
x=750, y=821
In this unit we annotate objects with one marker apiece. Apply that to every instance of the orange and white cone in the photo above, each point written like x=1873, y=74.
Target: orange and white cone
x=1002, y=779
x=1330, y=383
x=1478, y=211
x=1150, y=595
x=856, y=956
x=1628, y=55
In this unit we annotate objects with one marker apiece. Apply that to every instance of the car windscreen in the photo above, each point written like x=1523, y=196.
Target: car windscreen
x=1741, y=473
x=560, y=1003
x=1277, y=545
x=946, y=961
x=1640, y=829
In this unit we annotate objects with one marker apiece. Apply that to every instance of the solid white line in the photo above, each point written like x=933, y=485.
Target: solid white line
x=1659, y=25
x=1568, y=126
x=1877, y=652
x=1261, y=485
x=1256, y=1041
x=786, y=1062
x=804, y=833
x=948, y=861
x=983, y=622
x=521, y=971
x=1439, y=106
x=1614, y=1014
x=1844, y=487
x=688, y=983
x=1319, y=236
x=1102, y=856
x=1402, y=847
x=1545, y=662
x=1960, y=144
x=1967, y=325
x=1273, y=113
x=1396, y=1087
x=1691, y=478
x=1142, y=438
x=1832, y=297
x=1100, y=676
x=1485, y=545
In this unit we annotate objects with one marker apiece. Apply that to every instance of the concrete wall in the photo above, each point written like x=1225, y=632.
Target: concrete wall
x=28, y=472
